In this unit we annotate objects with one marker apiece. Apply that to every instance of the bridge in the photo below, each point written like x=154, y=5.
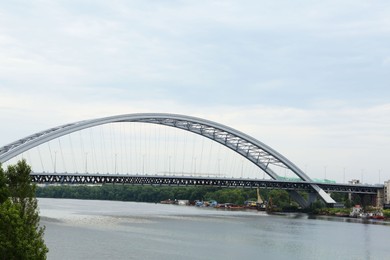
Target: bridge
x=158, y=180
x=257, y=153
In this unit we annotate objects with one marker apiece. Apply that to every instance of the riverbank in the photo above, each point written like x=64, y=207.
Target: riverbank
x=354, y=212
x=229, y=198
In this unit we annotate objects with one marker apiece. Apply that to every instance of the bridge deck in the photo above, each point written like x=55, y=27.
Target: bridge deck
x=158, y=180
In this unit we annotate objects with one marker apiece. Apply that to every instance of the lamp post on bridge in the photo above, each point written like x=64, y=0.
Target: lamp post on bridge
x=242, y=168
x=116, y=155
x=86, y=162
x=55, y=160
x=169, y=165
x=195, y=165
x=325, y=172
x=344, y=175
x=143, y=164
x=219, y=167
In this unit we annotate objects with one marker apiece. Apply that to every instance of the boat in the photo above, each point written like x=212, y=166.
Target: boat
x=342, y=214
x=250, y=204
x=213, y=203
x=199, y=203
x=357, y=212
x=377, y=215
x=168, y=201
x=234, y=206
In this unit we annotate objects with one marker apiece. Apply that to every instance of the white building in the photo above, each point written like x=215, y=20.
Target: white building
x=386, y=192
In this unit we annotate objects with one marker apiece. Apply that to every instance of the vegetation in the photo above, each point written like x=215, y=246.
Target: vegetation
x=21, y=237
x=332, y=211
x=386, y=213
x=280, y=198
x=122, y=193
x=146, y=193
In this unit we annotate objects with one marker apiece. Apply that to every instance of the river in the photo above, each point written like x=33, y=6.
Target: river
x=87, y=229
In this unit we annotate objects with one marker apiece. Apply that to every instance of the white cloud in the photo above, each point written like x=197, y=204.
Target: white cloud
x=309, y=79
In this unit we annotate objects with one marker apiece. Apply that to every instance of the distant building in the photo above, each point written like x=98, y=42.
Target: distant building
x=354, y=182
x=386, y=192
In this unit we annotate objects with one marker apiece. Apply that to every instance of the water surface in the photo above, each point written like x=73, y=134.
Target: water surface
x=86, y=229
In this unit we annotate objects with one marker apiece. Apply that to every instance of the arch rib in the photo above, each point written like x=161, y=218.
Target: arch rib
x=257, y=152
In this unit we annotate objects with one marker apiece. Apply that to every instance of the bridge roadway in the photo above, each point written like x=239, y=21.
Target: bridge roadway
x=163, y=180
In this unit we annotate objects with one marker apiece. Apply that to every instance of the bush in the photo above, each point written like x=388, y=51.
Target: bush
x=21, y=237
x=386, y=213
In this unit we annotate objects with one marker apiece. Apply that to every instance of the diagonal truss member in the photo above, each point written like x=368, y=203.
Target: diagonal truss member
x=250, y=148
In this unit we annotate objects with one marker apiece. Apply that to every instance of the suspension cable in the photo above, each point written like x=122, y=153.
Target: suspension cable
x=103, y=152
x=72, y=152
x=62, y=154
x=51, y=156
x=82, y=150
x=40, y=158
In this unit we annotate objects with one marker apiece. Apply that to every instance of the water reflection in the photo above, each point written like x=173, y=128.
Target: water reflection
x=350, y=220
x=124, y=230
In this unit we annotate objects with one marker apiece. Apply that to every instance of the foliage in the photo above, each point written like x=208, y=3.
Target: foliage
x=235, y=196
x=339, y=197
x=147, y=193
x=343, y=198
x=124, y=192
x=280, y=198
x=333, y=211
x=386, y=213
x=316, y=207
x=21, y=237
x=4, y=192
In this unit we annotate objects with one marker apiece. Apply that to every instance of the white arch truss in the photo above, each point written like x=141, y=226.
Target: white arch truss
x=252, y=149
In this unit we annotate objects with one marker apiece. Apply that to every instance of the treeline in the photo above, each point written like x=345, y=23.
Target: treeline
x=160, y=193
x=21, y=236
x=279, y=198
x=122, y=192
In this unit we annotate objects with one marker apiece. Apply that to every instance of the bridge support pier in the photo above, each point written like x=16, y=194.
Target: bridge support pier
x=299, y=199
x=380, y=198
x=312, y=198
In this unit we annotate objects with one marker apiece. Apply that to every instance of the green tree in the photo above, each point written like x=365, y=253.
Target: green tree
x=4, y=192
x=21, y=237
x=235, y=196
x=280, y=198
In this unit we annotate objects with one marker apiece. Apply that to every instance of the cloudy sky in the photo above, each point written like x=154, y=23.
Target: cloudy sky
x=308, y=78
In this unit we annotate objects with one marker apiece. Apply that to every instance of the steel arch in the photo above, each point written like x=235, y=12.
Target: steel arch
x=252, y=149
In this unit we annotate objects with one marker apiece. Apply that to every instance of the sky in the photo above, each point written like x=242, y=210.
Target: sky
x=308, y=78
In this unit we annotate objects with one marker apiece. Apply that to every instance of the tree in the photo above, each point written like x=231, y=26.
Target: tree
x=21, y=237
x=4, y=193
x=280, y=198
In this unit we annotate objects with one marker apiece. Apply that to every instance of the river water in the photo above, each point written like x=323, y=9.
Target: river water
x=87, y=229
